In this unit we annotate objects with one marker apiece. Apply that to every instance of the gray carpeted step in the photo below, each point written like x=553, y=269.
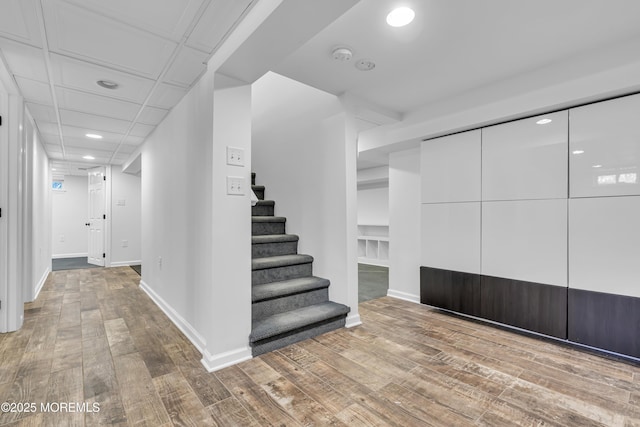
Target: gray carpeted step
x=277, y=297
x=293, y=326
x=283, y=288
x=259, y=190
x=274, y=244
x=277, y=274
x=263, y=208
x=279, y=261
x=263, y=225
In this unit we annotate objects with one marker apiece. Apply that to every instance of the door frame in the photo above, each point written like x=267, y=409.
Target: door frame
x=106, y=225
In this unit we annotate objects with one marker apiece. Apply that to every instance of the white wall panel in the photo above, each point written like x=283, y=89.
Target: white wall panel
x=604, y=254
x=605, y=148
x=525, y=240
x=451, y=236
x=451, y=168
x=526, y=159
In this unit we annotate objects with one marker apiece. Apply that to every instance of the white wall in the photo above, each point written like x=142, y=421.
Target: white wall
x=125, y=218
x=196, y=254
x=69, y=213
x=41, y=218
x=373, y=205
x=304, y=152
x=404, y=225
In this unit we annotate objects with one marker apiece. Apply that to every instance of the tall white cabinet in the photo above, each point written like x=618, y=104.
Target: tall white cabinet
x=534, y=223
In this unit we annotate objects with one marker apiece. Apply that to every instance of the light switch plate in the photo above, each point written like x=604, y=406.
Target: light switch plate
x=235, y=156
x=235, y=185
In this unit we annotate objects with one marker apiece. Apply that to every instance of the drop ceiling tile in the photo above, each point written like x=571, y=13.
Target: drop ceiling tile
x=47, y=128
x=35, y=91
x=169, y=19
x=70, y=99
x=85, y=144
x=90, y=121
x=89, y=36
x=80, y=75
x=18, y=21
x=187, y=67
x=23, y=60
x=219, y=18
x=53, y=148
x=141, y=130
x=166, y=96
x=81, y=132
x=133, y=140
x=152, y=116
x=50, y=139
x=42, y=113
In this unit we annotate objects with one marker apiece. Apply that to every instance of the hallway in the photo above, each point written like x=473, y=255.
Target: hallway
x=93, y=336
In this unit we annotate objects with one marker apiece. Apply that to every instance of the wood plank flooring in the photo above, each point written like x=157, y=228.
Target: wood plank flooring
x=94, y=337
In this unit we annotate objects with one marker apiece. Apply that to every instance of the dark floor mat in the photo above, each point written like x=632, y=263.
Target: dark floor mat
x=58, y=264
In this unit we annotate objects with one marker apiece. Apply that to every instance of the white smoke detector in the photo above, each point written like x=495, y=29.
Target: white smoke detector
x=342, y=53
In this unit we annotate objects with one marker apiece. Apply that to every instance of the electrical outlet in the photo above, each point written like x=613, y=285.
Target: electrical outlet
x=235, y=156
x=235, y=185
x=125, y=243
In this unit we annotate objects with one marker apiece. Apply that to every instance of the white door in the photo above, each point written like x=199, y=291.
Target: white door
x=97, y=215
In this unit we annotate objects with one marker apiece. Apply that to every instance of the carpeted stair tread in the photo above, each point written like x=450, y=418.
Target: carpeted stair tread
x=284, y=288
x=268, y=219
x=282, y=323
x=279, y=261
x=265, y=203
x=257, y=187
x=274, y=238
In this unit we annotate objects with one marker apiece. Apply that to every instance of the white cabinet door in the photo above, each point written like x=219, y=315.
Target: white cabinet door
x=450, y=168
x=605, y=148
x=604, y=254
x=526, y=159
x=525, y=240
x=451, y=236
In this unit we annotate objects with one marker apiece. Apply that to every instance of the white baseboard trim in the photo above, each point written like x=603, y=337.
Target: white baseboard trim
x=185, y=327
x=58, y=256
x=403, y=296
x=125, y=263
x=215, y=362
x=353, y=320
x=40, y=284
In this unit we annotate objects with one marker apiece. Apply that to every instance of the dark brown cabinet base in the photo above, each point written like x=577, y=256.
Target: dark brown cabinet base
x=599, y=320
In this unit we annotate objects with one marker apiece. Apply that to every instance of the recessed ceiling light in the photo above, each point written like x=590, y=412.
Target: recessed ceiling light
x=597, y=166
x=578, y=151
x=544, y=121
x=54, y=169
x=93, y=136
x=365, y=65
x=88, y=157
x=107, y=84
x=400, y=17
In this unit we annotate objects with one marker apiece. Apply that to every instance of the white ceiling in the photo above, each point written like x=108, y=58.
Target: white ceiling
x=455, y=46
x=56, y=51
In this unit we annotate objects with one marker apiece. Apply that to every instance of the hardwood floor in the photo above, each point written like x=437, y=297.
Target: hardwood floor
x=93, y=336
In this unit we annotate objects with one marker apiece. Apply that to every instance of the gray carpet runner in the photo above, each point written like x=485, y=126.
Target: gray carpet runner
x=289, y=304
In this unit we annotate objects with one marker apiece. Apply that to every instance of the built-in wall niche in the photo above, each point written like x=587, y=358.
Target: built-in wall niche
x=373, y=244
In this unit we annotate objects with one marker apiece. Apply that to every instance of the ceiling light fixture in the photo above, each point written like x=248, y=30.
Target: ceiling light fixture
x=578, y=151
x=400, y=17
x=93, y=136
x=543, y=121
x=342, y=53
x=597, y=166
x=88, y=157
x=107, y=84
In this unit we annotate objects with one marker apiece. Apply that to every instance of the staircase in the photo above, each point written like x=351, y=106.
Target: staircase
x=289, y=304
